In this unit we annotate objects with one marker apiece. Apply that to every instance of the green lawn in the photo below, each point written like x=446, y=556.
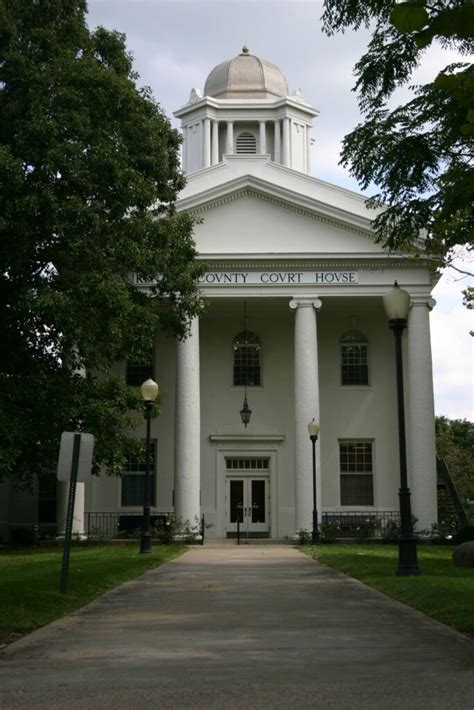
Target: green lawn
x=29, y=581
x=442, y=591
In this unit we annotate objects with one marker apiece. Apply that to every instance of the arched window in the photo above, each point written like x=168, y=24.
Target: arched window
x=245, y=143
x=247, y=350
x=354, y=358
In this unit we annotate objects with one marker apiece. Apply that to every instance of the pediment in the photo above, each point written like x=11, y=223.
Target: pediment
x=257, y=173
x=249, y=219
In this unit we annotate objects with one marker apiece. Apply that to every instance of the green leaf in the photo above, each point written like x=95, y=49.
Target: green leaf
x=409, y=17
x=464, y=21
x=424, y=38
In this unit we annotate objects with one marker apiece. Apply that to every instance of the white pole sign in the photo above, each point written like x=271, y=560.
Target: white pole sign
x=84, y=471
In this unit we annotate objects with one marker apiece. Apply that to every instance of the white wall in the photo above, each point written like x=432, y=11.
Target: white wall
x=358, y=412
x=271, y=404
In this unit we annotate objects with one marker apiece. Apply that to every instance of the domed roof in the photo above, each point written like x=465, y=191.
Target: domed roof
x=246, y=77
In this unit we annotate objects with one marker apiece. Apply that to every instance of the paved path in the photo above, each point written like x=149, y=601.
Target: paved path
x=241, y=627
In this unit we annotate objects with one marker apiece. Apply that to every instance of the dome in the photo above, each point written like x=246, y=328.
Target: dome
x=246, y=77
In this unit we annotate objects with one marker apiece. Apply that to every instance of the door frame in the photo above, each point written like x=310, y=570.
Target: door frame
x=248, y=529
x=221, y=482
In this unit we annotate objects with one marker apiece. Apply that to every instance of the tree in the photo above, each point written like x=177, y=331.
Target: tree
x=455, y=444
x=89, y=173
x=420, y=154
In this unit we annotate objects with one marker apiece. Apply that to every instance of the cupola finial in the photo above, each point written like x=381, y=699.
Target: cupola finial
x=245, y=50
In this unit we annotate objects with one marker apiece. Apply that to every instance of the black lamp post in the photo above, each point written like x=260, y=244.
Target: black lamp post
x=396, y=304
x=313, y=431
x=149, y=390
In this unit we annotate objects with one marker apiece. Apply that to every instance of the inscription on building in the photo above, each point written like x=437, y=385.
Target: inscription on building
x=269, y=278
x=278, y=278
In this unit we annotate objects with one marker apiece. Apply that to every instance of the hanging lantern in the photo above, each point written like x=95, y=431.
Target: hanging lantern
x=245, y=412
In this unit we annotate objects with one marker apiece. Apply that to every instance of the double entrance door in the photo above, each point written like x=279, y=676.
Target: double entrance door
x=247, y=506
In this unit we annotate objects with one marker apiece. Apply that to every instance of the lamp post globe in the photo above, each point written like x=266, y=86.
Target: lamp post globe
x=313, y=431
x=396, y=304
x=149, y=390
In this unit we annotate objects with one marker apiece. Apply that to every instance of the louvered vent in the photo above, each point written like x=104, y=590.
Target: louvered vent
x=246, y=143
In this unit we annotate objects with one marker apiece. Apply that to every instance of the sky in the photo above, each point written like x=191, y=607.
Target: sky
x=176, y=43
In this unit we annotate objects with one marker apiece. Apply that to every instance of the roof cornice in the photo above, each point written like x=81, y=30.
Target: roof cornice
x=244, y=104
x=322, y=261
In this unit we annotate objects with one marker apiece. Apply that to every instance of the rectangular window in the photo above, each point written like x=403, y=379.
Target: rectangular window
x=247, y=366
x=247, y=464
x=354, y=365
x=133, y=480
x=357, y=486
x=137, y=373
x=46, y=500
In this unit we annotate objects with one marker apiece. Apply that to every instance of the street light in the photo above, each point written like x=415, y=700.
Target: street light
x=149, y=390
x=396, y=304
x=313, y=431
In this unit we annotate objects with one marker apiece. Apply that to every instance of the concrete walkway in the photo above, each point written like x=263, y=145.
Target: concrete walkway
x=241, y=627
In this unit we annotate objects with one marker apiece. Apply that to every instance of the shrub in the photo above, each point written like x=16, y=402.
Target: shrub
x=24, y=537
x=329, y=532
x=466, y=534
x=96, y=533
x=304, y=537
x=390, y=532
x=189, y=532
x=166, y=530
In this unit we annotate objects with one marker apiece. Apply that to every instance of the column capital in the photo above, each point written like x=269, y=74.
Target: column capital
x=314, y=302
x=426, y=301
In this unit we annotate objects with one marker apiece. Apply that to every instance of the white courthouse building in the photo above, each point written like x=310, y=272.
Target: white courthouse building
x=297, y=254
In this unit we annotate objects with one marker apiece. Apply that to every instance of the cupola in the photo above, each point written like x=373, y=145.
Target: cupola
x=246, y=113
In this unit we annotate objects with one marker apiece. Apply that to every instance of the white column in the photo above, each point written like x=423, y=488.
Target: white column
x=277, y=141
x=306, y=408
x=262, y=137
x=286, y=142
x=308, y=150
x=62, y=491
x=229, y=144
x=206, y=142
x=187, y=428
x=215, y=143
x=420, y=415
x=183, y=150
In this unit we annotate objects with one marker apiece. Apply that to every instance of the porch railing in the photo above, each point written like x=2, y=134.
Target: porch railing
x=117, y=525
x=357, y=524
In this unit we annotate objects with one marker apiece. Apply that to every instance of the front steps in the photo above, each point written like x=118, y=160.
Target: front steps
x=231, y=542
